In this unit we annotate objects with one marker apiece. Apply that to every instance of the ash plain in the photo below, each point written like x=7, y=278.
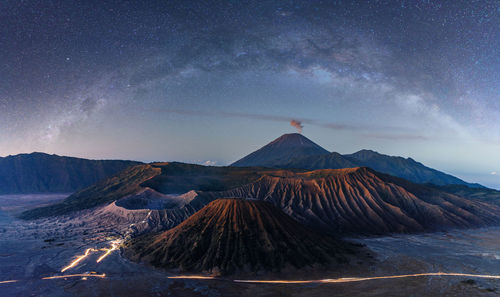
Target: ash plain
x=33, y=250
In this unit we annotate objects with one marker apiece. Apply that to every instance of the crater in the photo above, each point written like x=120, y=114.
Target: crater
x=153, y=200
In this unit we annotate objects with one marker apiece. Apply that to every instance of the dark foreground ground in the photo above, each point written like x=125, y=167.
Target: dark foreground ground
x=32, y=251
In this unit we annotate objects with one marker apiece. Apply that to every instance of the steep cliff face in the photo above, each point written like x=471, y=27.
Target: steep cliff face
x=43, y=173
x=231, y=235
x=362, y=201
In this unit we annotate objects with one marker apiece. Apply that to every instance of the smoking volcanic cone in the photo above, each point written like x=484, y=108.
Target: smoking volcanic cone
x=281, y=150
x=233, y=235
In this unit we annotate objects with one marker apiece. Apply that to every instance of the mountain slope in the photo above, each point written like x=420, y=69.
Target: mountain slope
x=281, y=150
x=330, y=161
x=296, y=151
x=480, y=194
x=43, y=173
x=230, y=235
x=355, y=200
x=406, y=168
x=165, y=178
x=362, y=201
x=125, y=183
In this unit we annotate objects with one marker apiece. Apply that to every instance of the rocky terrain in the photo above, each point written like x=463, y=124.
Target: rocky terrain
x=270, y=227
x=231, y=235
x=338, y=201
x=148, y=198
x=132, y=215
x=292, y=151
x=119, y=186
x=34, y=251
x=162, y=178
x=363, y=201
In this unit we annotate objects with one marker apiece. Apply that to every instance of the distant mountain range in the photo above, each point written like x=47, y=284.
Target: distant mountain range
x=44, y=173
x=234, y=235
x=297, y=151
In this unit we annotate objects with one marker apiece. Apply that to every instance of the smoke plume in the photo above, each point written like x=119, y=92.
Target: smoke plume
x=297, y=125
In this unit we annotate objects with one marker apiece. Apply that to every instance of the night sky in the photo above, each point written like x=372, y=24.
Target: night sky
x=210, y=81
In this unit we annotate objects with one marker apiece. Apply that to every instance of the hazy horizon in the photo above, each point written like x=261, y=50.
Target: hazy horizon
x=208, y=162
x=213, y=81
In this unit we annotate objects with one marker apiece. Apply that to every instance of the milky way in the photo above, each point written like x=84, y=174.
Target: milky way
x=208, y=81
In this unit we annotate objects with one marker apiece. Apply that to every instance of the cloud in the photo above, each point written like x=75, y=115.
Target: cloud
x=297, y=124
x=493, y=173
x=254, y=116
x=210, y=163
x=395, y=136
x=399, y=133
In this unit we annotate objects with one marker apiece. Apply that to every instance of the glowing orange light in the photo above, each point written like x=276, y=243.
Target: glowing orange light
x=191, y=277
x=359, y=279
x=76, y=275
x=78, y=259
x=8, y=281
x=114, y=246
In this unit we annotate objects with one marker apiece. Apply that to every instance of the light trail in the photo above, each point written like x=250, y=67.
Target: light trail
x=250, y=281
x=115, y=244
x=75, y=275
x=79, y=259
x=191, y=277
x=320, y=281
x=9, y=281
x=359, y=279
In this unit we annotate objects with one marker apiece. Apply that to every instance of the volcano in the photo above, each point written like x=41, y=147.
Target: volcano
x=297, y=151
x=363, y=201
x=348, y=201
x=281, y=150
x=233, y=235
